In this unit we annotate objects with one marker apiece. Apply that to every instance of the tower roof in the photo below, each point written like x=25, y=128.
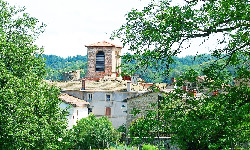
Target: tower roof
x=103, y=43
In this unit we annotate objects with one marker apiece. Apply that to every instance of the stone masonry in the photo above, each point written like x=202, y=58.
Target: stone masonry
x=142, y=103
x=112, y=59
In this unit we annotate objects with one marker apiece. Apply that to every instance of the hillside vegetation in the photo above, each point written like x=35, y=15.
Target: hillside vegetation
x=56, y=65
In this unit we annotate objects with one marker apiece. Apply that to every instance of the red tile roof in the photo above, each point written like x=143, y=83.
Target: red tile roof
x=76, y=102
x=103, y=43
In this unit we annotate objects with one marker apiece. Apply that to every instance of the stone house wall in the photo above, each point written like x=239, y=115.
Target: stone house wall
x=142, y=103
x=245, y=82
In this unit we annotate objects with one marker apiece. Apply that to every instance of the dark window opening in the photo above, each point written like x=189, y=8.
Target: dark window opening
x=108, y=97
x=100, y=61
x=89, y=110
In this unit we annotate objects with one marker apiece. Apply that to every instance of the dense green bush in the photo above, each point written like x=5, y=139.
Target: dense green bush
x=93, y=132
x=123, y=147
x=149, y=147
x=30, y=117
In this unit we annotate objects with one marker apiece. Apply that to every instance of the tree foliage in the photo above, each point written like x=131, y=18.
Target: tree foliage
x=56, y=66
x=93, y=132
x=208, y=121
x=30, y=117
x=153, y=31
x=145, y=129
x=157, y=74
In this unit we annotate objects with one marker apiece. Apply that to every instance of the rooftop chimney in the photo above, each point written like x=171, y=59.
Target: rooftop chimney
x=129, y=86
x=83, y=84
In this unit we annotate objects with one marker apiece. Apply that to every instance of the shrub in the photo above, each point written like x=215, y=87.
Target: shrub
x=93, y=132
x=149, y=147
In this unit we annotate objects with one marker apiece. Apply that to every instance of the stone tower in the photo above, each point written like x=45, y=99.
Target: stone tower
x=103, y=60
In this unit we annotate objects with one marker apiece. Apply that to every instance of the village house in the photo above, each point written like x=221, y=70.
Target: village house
x=77, y=108
x=102, y=88
x=105, y=97
x=144, y=101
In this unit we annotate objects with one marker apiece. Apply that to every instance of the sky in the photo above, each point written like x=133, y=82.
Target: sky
x=73, y=24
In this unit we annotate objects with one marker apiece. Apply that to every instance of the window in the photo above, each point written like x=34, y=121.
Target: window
x=100, y=61
x=89, y=97
x=108, y=97
x=90, y=110
x=108, y=111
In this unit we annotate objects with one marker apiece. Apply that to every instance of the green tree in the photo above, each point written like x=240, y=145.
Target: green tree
x=93, y=132
x=221, y=121
x=144, y=130
x=56, y=66
x=30, y=117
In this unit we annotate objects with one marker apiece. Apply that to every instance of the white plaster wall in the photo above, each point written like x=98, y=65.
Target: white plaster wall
x=73, y=116
x=98, y=105
x=118, y=114
x=82, y=113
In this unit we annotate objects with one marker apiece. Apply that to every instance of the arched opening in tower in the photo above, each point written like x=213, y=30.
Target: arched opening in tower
x=100, y=62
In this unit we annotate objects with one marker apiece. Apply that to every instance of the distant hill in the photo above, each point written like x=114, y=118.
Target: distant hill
x=157, y=74
x=56, y=65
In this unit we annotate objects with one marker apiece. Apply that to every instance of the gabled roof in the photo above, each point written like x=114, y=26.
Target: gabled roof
x=76, y=102
x=103, y=43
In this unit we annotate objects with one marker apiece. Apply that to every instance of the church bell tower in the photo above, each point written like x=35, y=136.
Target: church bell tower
x=103, y=60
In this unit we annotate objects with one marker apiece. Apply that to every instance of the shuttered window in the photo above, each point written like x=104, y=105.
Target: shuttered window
x=100, y=61
x=108, y=111
x=89, y=97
